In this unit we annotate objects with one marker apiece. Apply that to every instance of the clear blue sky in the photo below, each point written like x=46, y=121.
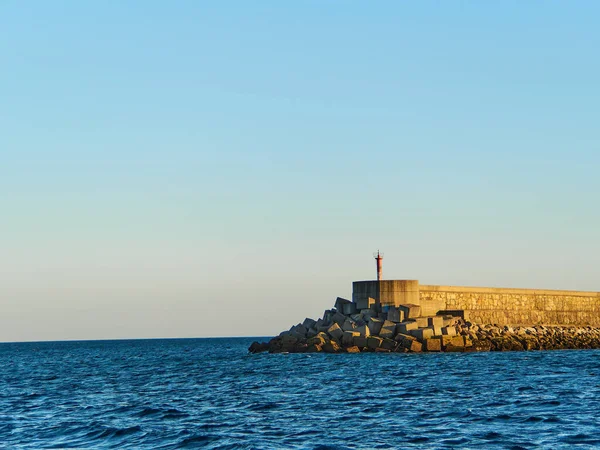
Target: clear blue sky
x=227, y=168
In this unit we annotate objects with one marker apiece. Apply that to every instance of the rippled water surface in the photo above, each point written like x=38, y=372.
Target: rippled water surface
x=209, y=393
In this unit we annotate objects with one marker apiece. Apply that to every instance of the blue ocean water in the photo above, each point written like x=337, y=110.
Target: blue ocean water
x=210, y=393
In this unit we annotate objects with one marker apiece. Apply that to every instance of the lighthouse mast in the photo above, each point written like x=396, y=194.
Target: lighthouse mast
x=379, y=257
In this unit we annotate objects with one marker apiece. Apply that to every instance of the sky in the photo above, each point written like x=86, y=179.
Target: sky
x=228, y=168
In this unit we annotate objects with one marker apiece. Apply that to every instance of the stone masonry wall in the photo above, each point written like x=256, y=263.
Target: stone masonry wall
x=517, y=306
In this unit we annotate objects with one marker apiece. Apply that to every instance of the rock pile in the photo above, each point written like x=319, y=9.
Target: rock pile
x=368, y=327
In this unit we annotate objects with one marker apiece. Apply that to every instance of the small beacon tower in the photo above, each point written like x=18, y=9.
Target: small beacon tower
x=379, y=257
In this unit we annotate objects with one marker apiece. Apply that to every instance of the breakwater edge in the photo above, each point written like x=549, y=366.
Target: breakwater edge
x=369, y=326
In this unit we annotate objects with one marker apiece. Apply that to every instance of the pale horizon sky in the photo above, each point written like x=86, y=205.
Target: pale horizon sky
x=196, y=169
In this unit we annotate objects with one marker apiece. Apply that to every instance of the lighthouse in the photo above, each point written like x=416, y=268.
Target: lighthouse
x=379, y=257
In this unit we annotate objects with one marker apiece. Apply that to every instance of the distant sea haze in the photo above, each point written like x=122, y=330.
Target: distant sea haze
x=210, y=393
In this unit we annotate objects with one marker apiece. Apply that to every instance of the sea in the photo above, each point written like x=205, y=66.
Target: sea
x=210, y=393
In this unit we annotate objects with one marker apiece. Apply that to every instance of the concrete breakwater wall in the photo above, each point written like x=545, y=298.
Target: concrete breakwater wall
x=481, y=305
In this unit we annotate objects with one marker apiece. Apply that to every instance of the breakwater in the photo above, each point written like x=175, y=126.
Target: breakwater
x=367, y=325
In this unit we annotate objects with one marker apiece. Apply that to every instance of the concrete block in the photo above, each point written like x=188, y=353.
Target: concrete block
x=338, y=318
x=309, y=323
x=301, y=329
x=327, y=315
x=348, y=337
x=374, y=342
x=339, y=304
x=353, y=349
x=437, y=331
x=433, y=344
x=422, y=333
x=451, y=321
x=363, y=330
x=365, y=303
x=374, y=325
x=295, y=334
x=405, y=327
x=446, y=340
x=368, y=313
x=387, y=332
x=423, y=322
x=404, y=337
x=314, y=349
x=349, y=325
x=382, y=350
x=449, y=331
x=389, y=324
x=360, y=341
x=388, y=344
x=410, y=310
x=453, y=349
x=323, y=328
x=311, y=333
x=416, y=347
x=287, y=338
x=332, y=347
x=357, y=317
x=335, y=331
x=319, y=339
x=453, y=343
x=382, y=316
x=395, y=315
x=457, y=341
x=298, y=330
x=436, y=321
x=349, y=309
